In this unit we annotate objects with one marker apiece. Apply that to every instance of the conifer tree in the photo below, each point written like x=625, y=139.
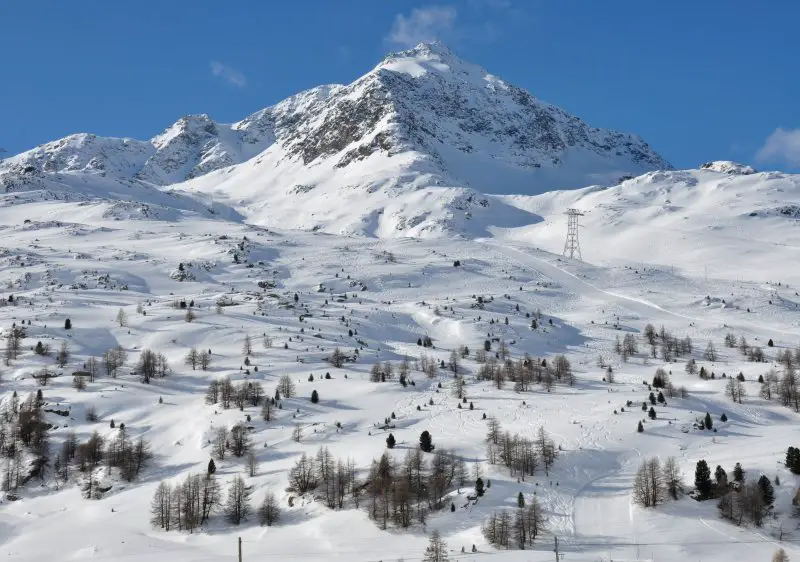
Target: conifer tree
x=702, y=480
x=738, y=472
x=426, y=442
x=767, y=491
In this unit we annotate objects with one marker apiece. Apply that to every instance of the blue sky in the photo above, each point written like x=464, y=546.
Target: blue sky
x=699, y=80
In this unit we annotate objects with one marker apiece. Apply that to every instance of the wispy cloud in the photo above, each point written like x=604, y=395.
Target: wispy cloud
x=475, y=22
x=781, y=147
x=228, y=74
x=423, y=24
x=492, y=4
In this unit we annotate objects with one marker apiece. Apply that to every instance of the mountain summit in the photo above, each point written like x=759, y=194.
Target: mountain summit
x=421, y=119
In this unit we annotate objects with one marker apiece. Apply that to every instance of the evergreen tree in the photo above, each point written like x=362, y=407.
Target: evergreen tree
x=390, y=441
x=652, y=413
x=709, y=422
x=67, y=324
x=520, y=500
x=723, y=417
x=767, y=491
x=426, y=442
x=640, y=428
x=702, y=480
x=738, y=472
x=721, y=476
x=212, y=467
x=479, y=489
x=793, y=460
x=314, y=397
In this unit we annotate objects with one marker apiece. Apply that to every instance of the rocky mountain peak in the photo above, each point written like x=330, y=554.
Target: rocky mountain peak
x=421, y=120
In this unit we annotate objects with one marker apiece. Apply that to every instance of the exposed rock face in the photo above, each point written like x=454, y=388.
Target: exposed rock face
x=728, y=167
x=425, y=99
x=410, y=148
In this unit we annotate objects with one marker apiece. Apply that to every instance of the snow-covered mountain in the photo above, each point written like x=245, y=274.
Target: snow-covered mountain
x=409, y=148
x=144, y=252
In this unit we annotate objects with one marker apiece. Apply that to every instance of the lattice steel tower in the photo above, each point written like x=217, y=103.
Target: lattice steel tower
x=572, y=247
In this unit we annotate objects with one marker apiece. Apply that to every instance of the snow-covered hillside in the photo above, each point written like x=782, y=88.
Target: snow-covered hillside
x=376, y=299
x=722, y=220
x=410, y=148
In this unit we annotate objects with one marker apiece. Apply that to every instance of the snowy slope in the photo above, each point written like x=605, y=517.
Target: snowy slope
x=410, y=148
x=708, y=221
x=192, y=146
x=73, y=261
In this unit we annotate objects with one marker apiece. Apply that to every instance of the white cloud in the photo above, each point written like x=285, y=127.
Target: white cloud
x=423, y=24
x=228, y=74
x=781, y=146
x=491, y=4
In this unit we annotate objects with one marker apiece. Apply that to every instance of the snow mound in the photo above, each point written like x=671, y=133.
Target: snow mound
x=728, y=167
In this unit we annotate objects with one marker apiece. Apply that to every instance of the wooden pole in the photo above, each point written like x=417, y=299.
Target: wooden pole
x=240, y=549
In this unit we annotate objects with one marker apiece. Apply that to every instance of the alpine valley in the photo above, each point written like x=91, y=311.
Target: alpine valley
x=346, y=322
